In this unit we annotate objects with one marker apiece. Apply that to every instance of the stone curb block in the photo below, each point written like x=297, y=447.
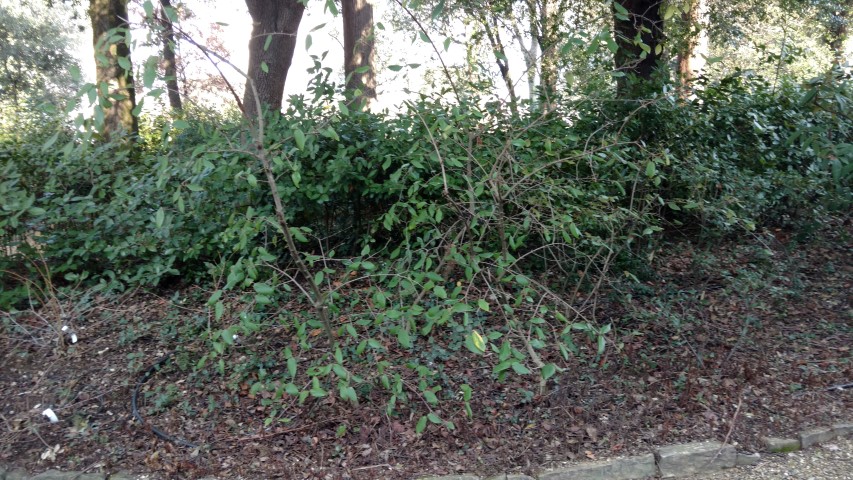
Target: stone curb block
x=16, y=474
x=746, y=459
x=781, y=445
x=695, y=458
x=816, y=435
x=452, y=477
x=57, y=475
x=843, y=429
x=617, y=469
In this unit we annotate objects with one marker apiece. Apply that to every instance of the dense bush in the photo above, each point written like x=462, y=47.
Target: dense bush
x=737, y=153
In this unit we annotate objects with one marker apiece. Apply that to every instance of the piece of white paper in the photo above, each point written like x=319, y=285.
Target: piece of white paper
x=50, y=415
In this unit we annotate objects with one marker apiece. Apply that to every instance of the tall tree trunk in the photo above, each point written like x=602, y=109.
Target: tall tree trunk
x=170, y=65
x=635, y=57
x=113, y=68
x=276, y=22
x=840, y=31
x=549, y=21
x=490, y=27
x=692, y=58
x=359, y=46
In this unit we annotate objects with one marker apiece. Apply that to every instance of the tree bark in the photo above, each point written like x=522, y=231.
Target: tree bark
x=170, y=64
x=692, y=59
x=839, y=31
x=359, y=46
x=276, y=22
x=115, y=82
x=549, y=20
x=637, y=39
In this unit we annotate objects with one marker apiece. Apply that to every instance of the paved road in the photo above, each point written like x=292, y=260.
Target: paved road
x=830, y=461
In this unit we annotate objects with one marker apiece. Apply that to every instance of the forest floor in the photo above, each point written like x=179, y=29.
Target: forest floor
x=726, y=341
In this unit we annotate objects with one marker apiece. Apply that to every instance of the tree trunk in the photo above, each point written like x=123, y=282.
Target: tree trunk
x=549, y=21
x=490, y=27
x=839, y=31
x=276, y=22
x=170, y=65
x=692, y=59
x=113, y=73
x=637, y=39
x=359, y=46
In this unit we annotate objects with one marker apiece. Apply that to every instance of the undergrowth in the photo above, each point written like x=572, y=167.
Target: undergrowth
x=455, y=232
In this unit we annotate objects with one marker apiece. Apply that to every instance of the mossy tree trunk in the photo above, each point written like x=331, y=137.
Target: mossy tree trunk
x=114, y=71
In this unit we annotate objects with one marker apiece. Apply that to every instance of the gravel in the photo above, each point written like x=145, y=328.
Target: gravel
x=832, y=460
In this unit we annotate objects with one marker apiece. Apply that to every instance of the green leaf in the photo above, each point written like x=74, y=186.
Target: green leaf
x=253, y=181
x=548, y=370
x=218, y=310
x=467, y=391
x=651, y=169
x=265, y=68
x=475, y=343
x=421, y=426
x=318, y=278
x=215, y=297
x=395, y=68
x=484, y=305
x=439, y=291
x=434, y=418
x=447, y=42
x=348, y=393
x=437, y=10
x=330, y=6
x=430, y=397
x=267, y=42
x=308, y=42
x=520, y=368
x=403, y=338
x=671, y=10
x=160, y=217
x=263, y=288
x=574, y=230
x=150, y=73
x=299, y=137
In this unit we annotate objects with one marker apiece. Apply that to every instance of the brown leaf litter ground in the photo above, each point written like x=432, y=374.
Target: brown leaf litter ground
x=726, y=342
